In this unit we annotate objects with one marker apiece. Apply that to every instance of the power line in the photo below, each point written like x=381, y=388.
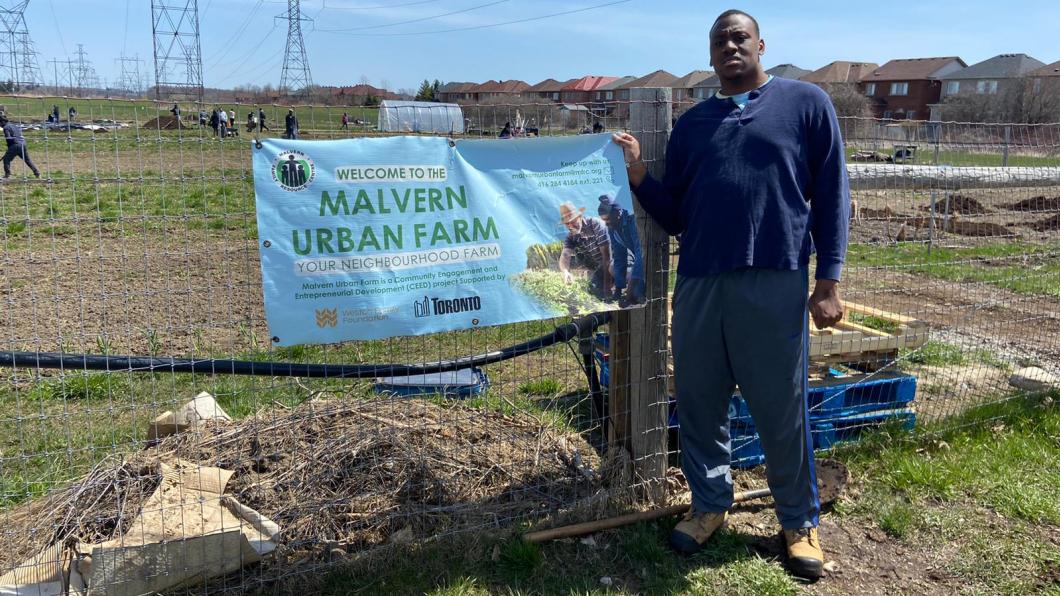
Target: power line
x=419, y=20
x=253, y=50
x=326, y=7
x=490, y=25
x=235, y=36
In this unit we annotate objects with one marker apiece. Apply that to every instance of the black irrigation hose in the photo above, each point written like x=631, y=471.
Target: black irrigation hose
x=563, y=333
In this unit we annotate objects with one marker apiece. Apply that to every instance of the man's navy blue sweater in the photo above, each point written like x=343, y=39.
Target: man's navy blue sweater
x=751, y=187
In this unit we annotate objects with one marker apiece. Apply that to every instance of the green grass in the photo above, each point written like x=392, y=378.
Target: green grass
x=546, y=386
x=873, y=322
x=1017, y=266
x=939, y=353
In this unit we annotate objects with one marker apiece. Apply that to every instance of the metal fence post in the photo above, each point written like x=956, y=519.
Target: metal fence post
x=1004, y=149
x=640, y=346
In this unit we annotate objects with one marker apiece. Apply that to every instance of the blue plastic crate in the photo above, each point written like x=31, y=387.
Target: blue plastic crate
x=466, y=382
x=847, y=429
x=861, y=393
x=845, y=396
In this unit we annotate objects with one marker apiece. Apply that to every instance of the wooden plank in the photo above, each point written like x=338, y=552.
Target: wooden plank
x=851, y=326
x=880, y=314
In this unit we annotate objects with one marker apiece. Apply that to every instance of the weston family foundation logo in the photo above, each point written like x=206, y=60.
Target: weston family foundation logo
x=327, y=317
x=293, y=171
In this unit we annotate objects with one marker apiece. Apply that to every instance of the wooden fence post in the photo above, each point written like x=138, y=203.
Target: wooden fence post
x=640, y=343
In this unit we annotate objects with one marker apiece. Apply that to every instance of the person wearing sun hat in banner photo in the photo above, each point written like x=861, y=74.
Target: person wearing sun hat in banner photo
x=587, y=242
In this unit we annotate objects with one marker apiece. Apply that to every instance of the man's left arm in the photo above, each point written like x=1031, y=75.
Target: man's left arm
x=830, y=213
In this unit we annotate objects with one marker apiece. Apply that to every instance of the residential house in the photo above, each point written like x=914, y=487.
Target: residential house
x=992, y=76
x=684, y=88
x=497, y=90
x=547, y=90
x=1046, y=77
x=659, y=78
x=454, y=92
x=840, y=72
x=712, y=85
x=1045, y=86
x=581, y=91
x=906, y=88
x=605, y=96
x=607, y=91
x=788, y=71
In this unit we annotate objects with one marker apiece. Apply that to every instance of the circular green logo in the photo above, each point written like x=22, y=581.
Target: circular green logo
x=293, y=171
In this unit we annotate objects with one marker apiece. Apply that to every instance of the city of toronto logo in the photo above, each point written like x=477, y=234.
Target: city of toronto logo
x=293, y=171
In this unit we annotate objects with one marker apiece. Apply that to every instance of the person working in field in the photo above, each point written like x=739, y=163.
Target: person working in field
x=755, y=182
x=627, y=260
x=16, y=147
x=587, y=242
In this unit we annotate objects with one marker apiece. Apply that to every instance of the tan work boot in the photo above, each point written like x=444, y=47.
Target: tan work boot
x=694, y=529
x=805, y=558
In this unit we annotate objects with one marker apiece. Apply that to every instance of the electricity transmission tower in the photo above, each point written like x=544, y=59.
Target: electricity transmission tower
x=295, y=78
x=84, y=75
x=18, y=60
x=130, y=81
x=178, y=53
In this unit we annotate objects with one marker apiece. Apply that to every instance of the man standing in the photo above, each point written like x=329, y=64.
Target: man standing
x=290, y=125
x=222, y=123
x=345, y=121
x=16, y=147
x=755, y=182
x=261, y=120
x=627, y=261
x=587, y=240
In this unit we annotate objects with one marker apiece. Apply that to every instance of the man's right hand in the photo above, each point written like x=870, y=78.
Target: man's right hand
x=636, y=168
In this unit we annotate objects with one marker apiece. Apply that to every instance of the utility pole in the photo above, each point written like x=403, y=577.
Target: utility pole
x=66, y=73
x=295, y=78
x=178, y=52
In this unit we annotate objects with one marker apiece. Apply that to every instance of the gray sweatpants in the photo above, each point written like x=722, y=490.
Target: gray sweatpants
x=747, y=327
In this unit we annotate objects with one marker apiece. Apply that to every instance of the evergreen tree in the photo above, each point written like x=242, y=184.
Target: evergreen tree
x=426, y=92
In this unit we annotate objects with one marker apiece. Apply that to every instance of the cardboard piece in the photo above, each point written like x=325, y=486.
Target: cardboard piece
x=186, y=533
x=44, y=574
x=204, y=407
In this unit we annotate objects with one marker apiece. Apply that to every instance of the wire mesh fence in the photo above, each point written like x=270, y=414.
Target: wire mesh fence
x=140, y=239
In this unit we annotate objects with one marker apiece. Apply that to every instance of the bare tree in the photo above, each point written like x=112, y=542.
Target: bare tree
x=1023, y=101
x=848, y=101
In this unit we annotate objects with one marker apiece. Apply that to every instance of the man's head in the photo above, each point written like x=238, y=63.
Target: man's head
x=3, y=120
x=571, y=217
x=609, y=210
x=736, y=47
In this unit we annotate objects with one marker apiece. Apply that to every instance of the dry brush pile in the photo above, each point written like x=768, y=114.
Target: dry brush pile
x=347, y=474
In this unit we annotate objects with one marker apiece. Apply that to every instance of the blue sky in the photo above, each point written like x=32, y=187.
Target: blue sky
x=401, y=42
